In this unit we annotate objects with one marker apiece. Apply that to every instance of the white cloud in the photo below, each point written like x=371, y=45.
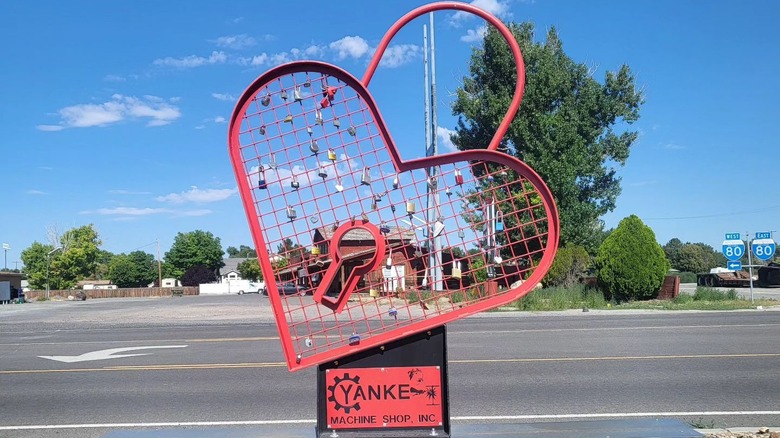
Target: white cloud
x=674, y=146
x=473, y=35
x=192, y=60
x=350, y=46
x=223, y=96
x=495, y=7
x=197, y=195
x=235, y=42
x=35, y=192
x=219, y=119
x=444, y=134
x=117, y=109
x=50, y=128
x=400, y=54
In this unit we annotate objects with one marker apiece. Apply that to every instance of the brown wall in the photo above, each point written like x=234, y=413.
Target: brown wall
x=115, y=293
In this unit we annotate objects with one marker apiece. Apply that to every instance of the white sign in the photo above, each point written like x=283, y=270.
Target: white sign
x=6, y=246
x=108, y=354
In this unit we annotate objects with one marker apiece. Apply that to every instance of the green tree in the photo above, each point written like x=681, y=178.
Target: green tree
x=76, y=259
x=34, y=259
x=692, y=258
x=290, y=250
x=103, y=261
x=569, y=266
x=242, y=252
x=79, y=257
x=567, y=126
x=137, y=269
x=250, y=270
x=630, y=264
x=191, y=249
x=672, y=250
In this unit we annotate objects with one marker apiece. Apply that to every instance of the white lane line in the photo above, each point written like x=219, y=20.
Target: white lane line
x=461, y=418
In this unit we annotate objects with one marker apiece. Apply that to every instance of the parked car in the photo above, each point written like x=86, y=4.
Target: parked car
x=288, y=289
x=252, y=288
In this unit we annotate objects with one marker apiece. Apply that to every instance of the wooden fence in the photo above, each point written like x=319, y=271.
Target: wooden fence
x=116, y=293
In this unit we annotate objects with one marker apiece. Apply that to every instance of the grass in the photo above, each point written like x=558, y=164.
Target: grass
x=561, y=298
x=579, y=296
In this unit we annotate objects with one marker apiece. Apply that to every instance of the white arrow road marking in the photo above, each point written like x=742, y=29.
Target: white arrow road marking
x=111, y=353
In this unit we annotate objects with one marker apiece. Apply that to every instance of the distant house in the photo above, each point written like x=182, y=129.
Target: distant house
x=95, y=284
x=357, y=246
x=230, y=270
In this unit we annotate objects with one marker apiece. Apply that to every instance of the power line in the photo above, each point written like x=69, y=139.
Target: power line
x=737, y=213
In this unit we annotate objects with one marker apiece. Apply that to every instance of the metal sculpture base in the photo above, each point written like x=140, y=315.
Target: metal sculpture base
x=397, y=390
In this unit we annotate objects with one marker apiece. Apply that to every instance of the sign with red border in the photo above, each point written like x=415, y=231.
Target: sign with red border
x=368, y=398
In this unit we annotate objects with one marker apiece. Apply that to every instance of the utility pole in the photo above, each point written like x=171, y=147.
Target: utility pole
x=750, y=263
x=159, y=268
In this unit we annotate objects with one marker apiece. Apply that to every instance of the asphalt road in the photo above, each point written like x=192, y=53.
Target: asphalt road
x=711, y=368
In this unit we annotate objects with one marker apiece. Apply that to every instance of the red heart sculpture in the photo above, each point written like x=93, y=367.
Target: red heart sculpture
x=359, y=247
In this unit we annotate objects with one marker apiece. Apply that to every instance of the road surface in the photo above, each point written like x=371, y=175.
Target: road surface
x=709, y=368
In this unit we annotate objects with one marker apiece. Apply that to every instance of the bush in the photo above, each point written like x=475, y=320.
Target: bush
x=568, y=267
x=630, y=264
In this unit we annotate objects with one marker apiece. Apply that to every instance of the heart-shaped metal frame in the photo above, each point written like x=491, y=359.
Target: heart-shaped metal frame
x=268, y=144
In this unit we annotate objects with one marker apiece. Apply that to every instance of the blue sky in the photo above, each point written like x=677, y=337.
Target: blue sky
x=114, y=113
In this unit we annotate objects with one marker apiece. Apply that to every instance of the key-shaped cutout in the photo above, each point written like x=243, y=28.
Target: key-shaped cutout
x=336, y=268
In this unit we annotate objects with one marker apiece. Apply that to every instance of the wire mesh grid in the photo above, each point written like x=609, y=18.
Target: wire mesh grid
x=314, y=158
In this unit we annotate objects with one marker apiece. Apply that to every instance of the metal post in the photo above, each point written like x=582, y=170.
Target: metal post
x=750, y=263
x=429, y=273
x=437, y=271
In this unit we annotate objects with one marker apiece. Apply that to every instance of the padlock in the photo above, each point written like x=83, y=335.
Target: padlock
x=410, y=208
x=266, y=100
x=331, y=155
x=365, y=179
x=352, y=131
x=291, y=214
x=456, y=271
x=314, y=147
x=458, y=177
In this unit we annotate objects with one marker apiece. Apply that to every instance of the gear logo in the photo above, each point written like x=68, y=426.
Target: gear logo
x=341, y=383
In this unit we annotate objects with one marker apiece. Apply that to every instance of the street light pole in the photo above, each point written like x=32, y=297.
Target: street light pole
x=48, y=262
x=6, y=247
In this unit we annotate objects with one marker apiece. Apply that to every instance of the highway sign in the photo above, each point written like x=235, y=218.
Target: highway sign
x=763, y=235
x=733, y=236
x=734, y=266
x=763, y=249
x=733, y=249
